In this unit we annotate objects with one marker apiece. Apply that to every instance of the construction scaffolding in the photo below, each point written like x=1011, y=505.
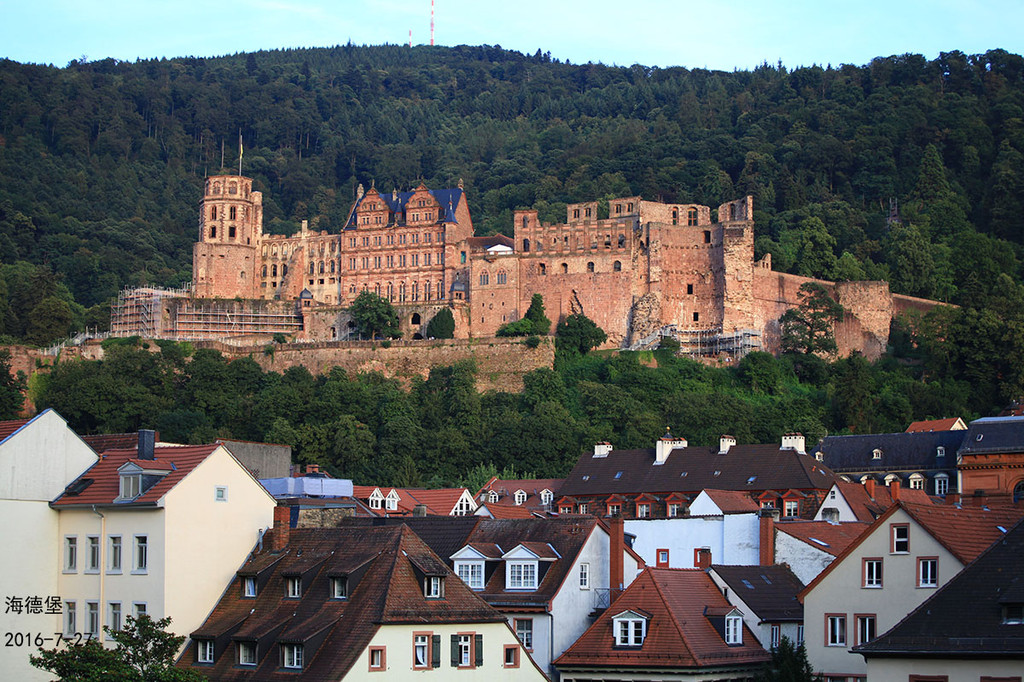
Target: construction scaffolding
x=139, y=311
x=208, y=320
x=712, y=342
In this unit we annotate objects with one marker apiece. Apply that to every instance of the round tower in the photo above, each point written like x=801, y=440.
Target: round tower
x=230, y=232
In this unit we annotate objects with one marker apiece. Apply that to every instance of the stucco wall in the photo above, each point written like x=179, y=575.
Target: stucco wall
x=733, y=538
x=805, y=561
x=956, y=670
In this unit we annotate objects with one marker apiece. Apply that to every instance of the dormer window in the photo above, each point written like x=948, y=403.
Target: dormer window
x=376, y=500
x=339, y=587
x=249, y=586
x=293, y=587
x=940, y=451
x=433, y=587
x=471, y=573
x=733, y=630
x=131, y=486
x=391, y=502
x=492, y=496
x=1013, y=614
x=546, y=496
x=629, y=629
x=876, y=454
x=522, y=575
x=520, y=497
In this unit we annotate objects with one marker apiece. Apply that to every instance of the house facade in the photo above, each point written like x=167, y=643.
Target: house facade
x=991, y=459
x=766, y=596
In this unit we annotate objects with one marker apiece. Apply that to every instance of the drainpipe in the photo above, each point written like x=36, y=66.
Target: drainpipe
x=103, y=574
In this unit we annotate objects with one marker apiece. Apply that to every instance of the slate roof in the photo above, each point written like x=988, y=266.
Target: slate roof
x=822, y=535
x=868, y=508
x=335, y=631
x=447, y=198
x=733, y=501
x=7, y=428
x=994, y=435
x=964, y=618
x=692, y=469
x=177, y=460
x=907, y=452
x=950, y=424
x=679, y=635
x=770, y=591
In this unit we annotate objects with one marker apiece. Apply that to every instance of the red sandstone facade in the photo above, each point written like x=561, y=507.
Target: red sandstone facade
x=648, y=269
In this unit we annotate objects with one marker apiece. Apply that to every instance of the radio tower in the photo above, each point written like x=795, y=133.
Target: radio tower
x=431, y=23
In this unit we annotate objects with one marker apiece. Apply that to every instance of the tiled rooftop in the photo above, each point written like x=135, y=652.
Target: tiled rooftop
x=770, y=591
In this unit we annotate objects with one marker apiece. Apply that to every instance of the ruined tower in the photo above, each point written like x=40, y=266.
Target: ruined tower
x=230, y=233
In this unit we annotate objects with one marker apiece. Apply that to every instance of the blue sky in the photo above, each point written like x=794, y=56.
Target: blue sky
x=722, y=34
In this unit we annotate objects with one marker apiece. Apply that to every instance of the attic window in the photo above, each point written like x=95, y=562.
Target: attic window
x=630, y=630
x=586, y=477
x=940, y=451
x=131, y=486
x=618, y=474
x=339, y=587
x=980, y=436
x=718, y=473
x=749, y=585
x=520, y=497
x=876, y=454
x=433, y=587
x=78, y=486
x=492, y=496
x=546, y=496
x=683, y=474
x=751, y=480
x=733, y=630
x=1013, y=614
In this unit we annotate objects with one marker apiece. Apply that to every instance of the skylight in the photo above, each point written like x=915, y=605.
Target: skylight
x=1001, y=529
x=765, y=578
x=618, y=474
x=683, y=473
x=751, y=480
x=747, y=583
x=718, y=473
x=820, y=542
x=586, y=477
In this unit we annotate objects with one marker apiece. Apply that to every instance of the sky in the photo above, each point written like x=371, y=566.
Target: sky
x=714, y=34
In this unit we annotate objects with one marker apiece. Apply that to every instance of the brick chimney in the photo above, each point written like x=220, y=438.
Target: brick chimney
x=869, y=485
x=894, y=490
x=766, y=547
x=312, y=469
x=616, y=548
x=282, y=528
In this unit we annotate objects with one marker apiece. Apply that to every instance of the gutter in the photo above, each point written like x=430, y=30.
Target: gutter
x=103, y=573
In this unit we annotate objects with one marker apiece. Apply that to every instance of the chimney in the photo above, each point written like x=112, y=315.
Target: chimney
x=147, y=444
x=616, y=548
x=831, y=515
x=282, y=528
x=602, y=449
x=766, y=548
x=703, y=558
x=312, y=469
x=869, y=485
x=665, y=445
x=724, y=443
x=793, y=441
x=419, y=510
x=894, y=490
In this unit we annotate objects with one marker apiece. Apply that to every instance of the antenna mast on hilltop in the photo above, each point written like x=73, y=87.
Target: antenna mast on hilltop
x=410, y=37
x=431, y=23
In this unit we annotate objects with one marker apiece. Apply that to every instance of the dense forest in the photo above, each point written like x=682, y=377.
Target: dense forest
x=904, y=169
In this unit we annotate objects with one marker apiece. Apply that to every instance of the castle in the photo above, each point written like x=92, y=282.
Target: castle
x=646, y=270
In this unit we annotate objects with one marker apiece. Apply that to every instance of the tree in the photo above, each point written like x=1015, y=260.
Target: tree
x=577, y=334
x=145, y=652
x=441, y=326
x=535, y=314
x=374, y=316
x=11, y=387
x=808, y=328
x=789, y=664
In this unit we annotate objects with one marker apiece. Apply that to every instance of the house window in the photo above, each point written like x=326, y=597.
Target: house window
x=130, y=486
x=583, y=508
x=872, y=573
x=115, y=553
x=139, y=609
x=492, y=496
x=865, y=628
x=799, y=634
x=662, y=560
x=293, y=587
x=543, y=269
x=876, y=454
x=791, y=508
x=696, y=317
x=942, y=484
x=733, y=630
x=584, y=576
x=204, y=651
x=70, y=618
x=511, y=656
x=630, y=631
x=433, y=587
x=115, y=616
x=673, y=510
x=70, y=554
x=776, y=636
x=249, y=586
x=92, y=619
x=471, y=573
x=93, y=554
x=524, y=631
x=900, y=533
x=141, y=553
x=916, y=482
x=339, y=587
x=520, y=497
x=614, y=509
x=421, y=651
x=467, y=651
x=391, y=502
x=1013, y=614
x=928, y=572
x=835, y=630
x=292, y=655
x=247, y=653
x=522, y=575
x=546, y=496
x=376, y=500
x=643, y=511
x=220, y=493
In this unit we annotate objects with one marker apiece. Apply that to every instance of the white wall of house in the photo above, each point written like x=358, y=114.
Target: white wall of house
x=956, y=670
x=732, y=538
x=543, y=636
x=398, y=642
x=805, y=561
x=841, y=592
x=835, y=500
x=40, y=459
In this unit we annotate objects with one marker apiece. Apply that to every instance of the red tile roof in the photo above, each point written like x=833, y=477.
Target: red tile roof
x=867, y=508
x=506, y=511
x=9, y=427
x=679, y=635
x=732, y=501
x=178, y=460
x=439, y=501
x=822, y=535
x=936, y=425
x=506, y=489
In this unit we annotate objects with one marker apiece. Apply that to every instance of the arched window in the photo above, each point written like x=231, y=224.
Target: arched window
x=590, y=266
x=732, y=211
x=520, y=497
x=543, y=269
x=332, y=267
x=675, y=216
x=941, y=484
x=213, y=213
x=916, y=482
x=391, y=291
x=526, y=222
x=502, y=277
x=526, y=246
x=890, y=478
x=565, y=268
x=691, y=217
x=415, y=318
x=484, y=279
x=617, y=266
x=321, y=267
x=264, y=270
x=284, y=270
x=401, y=291
x=312, y=268
x=1018, y=492
x=273, y=270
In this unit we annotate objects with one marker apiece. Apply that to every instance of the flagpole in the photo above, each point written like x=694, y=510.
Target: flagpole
x=240, y=151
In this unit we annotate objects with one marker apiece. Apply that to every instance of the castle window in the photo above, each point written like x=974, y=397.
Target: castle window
x=543, y=268
x=732, y=211
x=622, y=241
x=691, y=217
x=321, y=267
x=617, y=266
x=608, y=240
x=264, y=270
x=707, y=236
x=590, y=266
x=526, y=246
x=213, y=231
x=618, y=208
x=575, y=213
x=232, y=213
x=284, y=270
x=526, y=222
x=273, y=270
x=312, y=268
x=629, y=207
x=213, y=213
x=586, y=212
x=696, y=317
x=233, y=188
x=231, y=232
x=565, y=268
x=675, y=216
x=332, y=267
x=483, y=278
x=502, y=277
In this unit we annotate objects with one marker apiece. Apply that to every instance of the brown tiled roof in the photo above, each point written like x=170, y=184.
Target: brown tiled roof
x=692, y=469
x=506, y=511
x=935, y=425
x=770, y=591
x=506, y=489
x=178, y=461
x=732, y=501
x=102, y=442
x=335, y=631
x=9, y=427
x=867, y=508
x=822, y=535
x=483, y=243
x=679, y=635
x=439, y=501
x=445, y=535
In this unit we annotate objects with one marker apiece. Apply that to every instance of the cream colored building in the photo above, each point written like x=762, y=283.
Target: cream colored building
x=158, y=530
x=38, y=458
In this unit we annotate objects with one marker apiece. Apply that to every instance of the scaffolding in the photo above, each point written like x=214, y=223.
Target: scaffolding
x=139, y=311
x=712, y=342
x=210, y=320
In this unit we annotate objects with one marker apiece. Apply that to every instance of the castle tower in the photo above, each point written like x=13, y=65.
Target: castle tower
x=230, y=232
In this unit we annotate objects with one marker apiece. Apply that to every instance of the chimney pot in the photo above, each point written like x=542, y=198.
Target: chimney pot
x=894, y=490
x=282, y=528
x=869, y=485
x=766, y=545
x=704, y=558
x=793, y=441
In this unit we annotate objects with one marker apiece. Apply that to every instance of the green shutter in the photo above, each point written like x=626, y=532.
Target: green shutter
x=435, y=654
x=479, y=647
x=455, y=651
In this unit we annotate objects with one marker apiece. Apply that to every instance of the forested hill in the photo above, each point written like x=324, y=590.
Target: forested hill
x=101, y=163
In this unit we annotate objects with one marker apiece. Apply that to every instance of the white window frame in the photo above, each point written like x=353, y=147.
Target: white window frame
x=933, y=573
x=293, y=587
x=872, y=574
x=70, y=553
x=524, y=631
x=140, y=609
x=93, y=555
x=70, y=618
x=433, y=587
x=130, y=486
x=584, y=576
x=376, y=500
x=116, y=617
x=733, y=630
x=895, y=531
x=204, y=651
x=249, y=586
x=630, y=631
x=220, y=493
x=492, y=496
x=339, y=587
x=247, y=653
x=643, y=510
x=835, y=630
x=92, y=619
x=391, y=501
x=673, y=509
x=776, y=635
x=116, y=549
x=916, y=482
x=942, y=485
x=790, y=508
x=521, y=575
x=140, y=555
x=465, y=651
x=862, y=626
x=546, y=496
x=292, y=656
x=471, y=573
x=520, y=497
x=799, y=634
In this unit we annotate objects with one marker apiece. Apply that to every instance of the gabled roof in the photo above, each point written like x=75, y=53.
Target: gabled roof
x=908, y=451
x=489, y=242
x=867, y=508
x=679, y=634
x=177, y=460
x=994, y=435
x=769, y=591
x=439, y=501
x=506, y=490
x=496, y=510
x=448, y=199
x=964, y=617
x=732, y=501
x=950, y=424
x=822, y=535
x=445, y=535
x=692, y=469
x=336, y=631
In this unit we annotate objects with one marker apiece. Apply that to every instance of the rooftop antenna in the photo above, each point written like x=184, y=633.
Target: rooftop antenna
x=410, y=37
x=431, y=23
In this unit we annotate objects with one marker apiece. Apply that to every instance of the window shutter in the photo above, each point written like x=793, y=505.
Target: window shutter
x=479, y=647
x=435, y=654
x=455, y=651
